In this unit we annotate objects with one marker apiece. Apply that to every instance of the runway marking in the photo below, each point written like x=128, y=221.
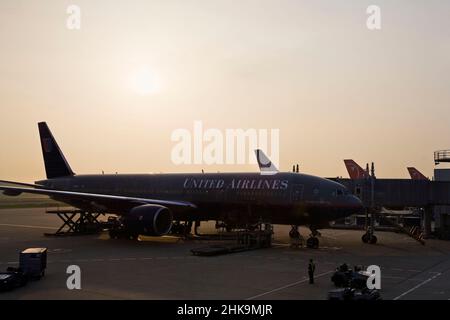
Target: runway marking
x=403, y=278
x=418, y=286
x=288, y=286
x=26, y=226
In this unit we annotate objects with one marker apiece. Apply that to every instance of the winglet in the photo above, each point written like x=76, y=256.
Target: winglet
x=265, y=165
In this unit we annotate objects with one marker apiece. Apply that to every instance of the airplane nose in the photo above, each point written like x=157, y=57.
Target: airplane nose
x=355, y=204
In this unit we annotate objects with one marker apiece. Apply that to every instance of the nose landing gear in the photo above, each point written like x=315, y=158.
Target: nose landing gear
x=369, y=237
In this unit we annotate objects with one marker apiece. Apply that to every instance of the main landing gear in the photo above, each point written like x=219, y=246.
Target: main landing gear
x=297, y=240
x=296, y=237
x=313, y=241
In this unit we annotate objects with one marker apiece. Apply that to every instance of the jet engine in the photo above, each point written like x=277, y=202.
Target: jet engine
x=148, y=219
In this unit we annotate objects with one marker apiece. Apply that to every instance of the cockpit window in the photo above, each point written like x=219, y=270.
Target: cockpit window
x=340, y=192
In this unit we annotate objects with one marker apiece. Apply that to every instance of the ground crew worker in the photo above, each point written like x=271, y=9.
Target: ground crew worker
x=311, y=269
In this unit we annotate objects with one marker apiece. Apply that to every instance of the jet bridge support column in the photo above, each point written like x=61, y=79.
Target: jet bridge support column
x=427, y=221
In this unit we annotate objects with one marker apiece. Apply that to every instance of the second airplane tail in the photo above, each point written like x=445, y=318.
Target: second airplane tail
x=354, y=170
x=416, y=174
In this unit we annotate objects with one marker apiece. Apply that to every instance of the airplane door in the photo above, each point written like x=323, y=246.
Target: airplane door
x=297, y=192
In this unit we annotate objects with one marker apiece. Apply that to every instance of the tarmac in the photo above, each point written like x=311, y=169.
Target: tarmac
x=164, y=268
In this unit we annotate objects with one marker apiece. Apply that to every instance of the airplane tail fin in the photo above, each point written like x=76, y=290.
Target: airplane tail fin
x=354, y=170
x=265, y=165
x=56, y=164
x=416, y=174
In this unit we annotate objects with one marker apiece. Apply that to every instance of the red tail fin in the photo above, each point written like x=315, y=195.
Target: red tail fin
x=416, y=174
x=354, y=170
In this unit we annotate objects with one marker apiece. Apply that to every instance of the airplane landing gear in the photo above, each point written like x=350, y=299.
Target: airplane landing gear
x=294, y=232
x=313, y=241
x=296, y=237
x=369, y=237
x=366, y=238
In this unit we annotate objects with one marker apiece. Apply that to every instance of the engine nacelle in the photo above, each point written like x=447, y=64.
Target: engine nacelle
x=148, y=219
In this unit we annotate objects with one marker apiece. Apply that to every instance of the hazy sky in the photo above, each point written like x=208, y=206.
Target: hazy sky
x=309, y=68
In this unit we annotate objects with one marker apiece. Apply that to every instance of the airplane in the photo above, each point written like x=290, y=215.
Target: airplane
x=148, y=204
x=355, y=171
x=416, y=174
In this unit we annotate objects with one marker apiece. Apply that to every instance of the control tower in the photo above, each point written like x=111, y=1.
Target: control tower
x=442, y=174
x=441, y=156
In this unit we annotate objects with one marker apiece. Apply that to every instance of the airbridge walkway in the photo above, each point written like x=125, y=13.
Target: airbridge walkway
x=432, y=196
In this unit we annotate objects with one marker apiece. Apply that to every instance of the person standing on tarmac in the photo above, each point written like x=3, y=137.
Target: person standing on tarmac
x=311, y=269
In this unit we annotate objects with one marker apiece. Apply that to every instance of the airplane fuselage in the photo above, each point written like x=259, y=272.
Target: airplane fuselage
x=282, y=198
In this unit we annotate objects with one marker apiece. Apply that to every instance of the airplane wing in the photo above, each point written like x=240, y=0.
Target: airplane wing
x=21, y=184
x=101, y=202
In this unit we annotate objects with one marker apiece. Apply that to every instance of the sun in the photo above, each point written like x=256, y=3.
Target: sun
x=145, y=82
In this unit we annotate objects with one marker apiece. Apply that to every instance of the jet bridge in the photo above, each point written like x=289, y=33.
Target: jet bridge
x=405, y=193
